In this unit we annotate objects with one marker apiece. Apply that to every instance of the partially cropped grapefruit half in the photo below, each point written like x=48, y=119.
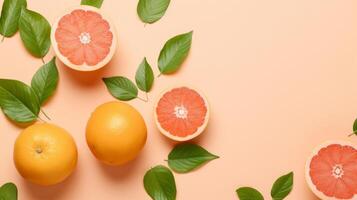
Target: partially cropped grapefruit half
x=331, y=171
x=182, y=113
x=84, y=38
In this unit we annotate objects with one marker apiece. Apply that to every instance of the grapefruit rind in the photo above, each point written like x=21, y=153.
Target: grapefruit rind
x=311, y=185
x=84, y=67
x=200, y=129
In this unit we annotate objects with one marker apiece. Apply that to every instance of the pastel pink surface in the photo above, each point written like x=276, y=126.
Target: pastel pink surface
x=280, y=77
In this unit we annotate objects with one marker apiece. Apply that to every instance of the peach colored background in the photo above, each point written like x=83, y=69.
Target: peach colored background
x=280, y=76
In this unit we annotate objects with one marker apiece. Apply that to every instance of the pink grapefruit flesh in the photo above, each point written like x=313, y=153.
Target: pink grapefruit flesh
x=331, y=172
x=182, y=113
x=83, y=38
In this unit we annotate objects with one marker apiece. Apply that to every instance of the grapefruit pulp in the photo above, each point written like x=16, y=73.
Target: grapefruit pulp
x=182, y=113
x=116, y=133
x=331, y=171
x=45, y=154
x=83, y=38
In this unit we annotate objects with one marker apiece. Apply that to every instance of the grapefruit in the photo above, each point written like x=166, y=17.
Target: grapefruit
x=116, y=133
x=182, y=113
x=331, y=171
x=45, y=154
x=83, y=38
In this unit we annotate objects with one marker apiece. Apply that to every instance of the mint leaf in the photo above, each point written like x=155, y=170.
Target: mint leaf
x=94, y=3
x=159, y=183
x=121, y=88
x=8, y=192
x=174, y=53
x=144, y=76
x=248, y=193
x=151, y=11
x=35, y=32
x=282, y=186
x=187, y=157
x=10, y=14
x=18, y=101
x=45, y=80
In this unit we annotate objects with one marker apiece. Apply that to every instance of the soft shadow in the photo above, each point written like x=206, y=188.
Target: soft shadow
x=121, y=173
x=89, y=78
x=19, y=125
x=50, y=192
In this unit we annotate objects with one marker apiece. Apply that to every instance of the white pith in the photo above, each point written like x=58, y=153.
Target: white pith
x=84, y=38
x=181, y=112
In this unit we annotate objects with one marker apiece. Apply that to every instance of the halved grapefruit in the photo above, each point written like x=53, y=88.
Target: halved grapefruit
x=83, y=38
x=331, y=171
x=182, y=113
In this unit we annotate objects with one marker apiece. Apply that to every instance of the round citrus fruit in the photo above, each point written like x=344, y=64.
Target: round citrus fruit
x=45, y=154
x=331, y=171
x=182, y=113
x=83, y=38
x=116, y=133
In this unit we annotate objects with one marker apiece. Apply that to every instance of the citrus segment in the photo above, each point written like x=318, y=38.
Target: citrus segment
x=332, y=171
x=83, y=38
x=182, y=113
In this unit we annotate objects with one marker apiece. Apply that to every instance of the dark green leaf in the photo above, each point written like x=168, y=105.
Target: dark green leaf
x=121, y=88
x=18, y=101
x=248, y=193
x=355, y=127
x=151, y=11
x=35, y=32
x=94, y=3
x=144, y=76
x=282, y=186
x=186, y=157
x=174, y=53
x=8, y=192
x=45, y=81
x=159, y=183
x=10, y=14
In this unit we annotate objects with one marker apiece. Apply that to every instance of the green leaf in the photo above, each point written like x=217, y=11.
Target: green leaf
x=174, y=53
x=10, y=14
x=159, y=183
x=144, y=76
x=151, y=11
x=282, y=186
x=121, y=88
x=18, y=101
x=187, y=157
x=248, y=193
x=354, y=128
x=45, y=81
x=35, y=32
x=8, y=192
x=94, y=3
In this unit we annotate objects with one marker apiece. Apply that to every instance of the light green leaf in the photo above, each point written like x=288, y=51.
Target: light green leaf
x=45, y=81
x=282, y=186
x=35, y=32
x=18, y=101
x=8, y=192
x=186, y=157
x=121, y=88
x=159, y=183
x=174, y=53
x=151, y=11
x=248, y=193
x=10, y=14
x=94, y=3
x=144, y=76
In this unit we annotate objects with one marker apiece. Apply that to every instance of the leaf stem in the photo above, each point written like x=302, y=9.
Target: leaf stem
x=147, y=96
x=3, y=38
x=158, y=76
x=38, y=117
x=144, y=100
x=43, y=61
x=44, y=113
